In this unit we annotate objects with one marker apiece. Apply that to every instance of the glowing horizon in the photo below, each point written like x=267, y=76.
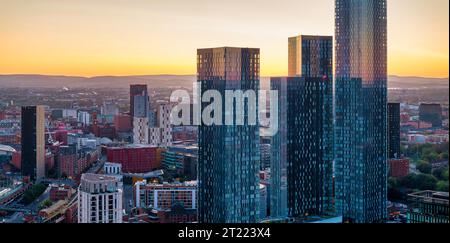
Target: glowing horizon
x=148, y=37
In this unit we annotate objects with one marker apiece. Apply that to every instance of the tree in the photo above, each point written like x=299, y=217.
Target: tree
x=441, y=174
x=394, y=192
x=409, y=181
x=424, y=167
x=431, y=157
x=419, y=182
x=445, y=174
x=33, y=192
x=442, y=186
x=393, y=182
x=45, y=204
x=426, y=182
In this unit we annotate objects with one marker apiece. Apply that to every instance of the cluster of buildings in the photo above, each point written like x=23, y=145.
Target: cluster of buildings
x=328, y=162
x=424, y=123
x=302, y=152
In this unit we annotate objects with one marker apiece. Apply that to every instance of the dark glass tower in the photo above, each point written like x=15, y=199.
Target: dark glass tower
x=302, y=151
x=136, y=90
x=33, y=142
x=228, y=164
x=361, y=110
x=310, y=56
x=394, y=130
x=306, y=141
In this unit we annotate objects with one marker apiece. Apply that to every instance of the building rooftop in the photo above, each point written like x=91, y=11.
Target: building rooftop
x=96, y=177
x=430, y=197
x=132, y=146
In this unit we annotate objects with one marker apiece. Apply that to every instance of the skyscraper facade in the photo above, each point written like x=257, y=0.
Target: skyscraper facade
x=161, y=135
x=310, y=56
x=140, y=130
x=140, y=119
x=135, y=90
x=33, y=142
x=361, y=110
x=141, y=105
x=302, y=150
x=394, y=131
x=228, y=164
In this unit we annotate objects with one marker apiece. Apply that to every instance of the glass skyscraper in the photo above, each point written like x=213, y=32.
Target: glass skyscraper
x=229, y=155
x=302, y=151
x=361, y=110
x=303, y=148
x=310, y=56
x=136, y=90
x=394, y=151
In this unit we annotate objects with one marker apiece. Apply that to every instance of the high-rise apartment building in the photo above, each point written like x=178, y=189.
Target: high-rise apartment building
x=161, y=135
x=140, y=119
x=33, y=142
x=99, y=199
x=394, y=131
x=140, y=130
x=361, y=110
x=228, y=164
x=303, y=148
x=135, y=90
x=310, y=56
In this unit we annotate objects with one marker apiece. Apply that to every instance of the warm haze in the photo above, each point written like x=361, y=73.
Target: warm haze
x=136, y=37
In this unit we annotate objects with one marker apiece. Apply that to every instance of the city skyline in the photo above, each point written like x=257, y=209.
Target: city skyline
x=92, y=38
x=343, y=144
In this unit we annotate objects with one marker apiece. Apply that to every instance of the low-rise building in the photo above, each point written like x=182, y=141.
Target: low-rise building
x=399, y=168
x=164, y=196
x=428, y=207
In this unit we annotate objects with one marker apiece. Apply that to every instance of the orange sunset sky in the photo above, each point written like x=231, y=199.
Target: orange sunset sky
x=137, y=37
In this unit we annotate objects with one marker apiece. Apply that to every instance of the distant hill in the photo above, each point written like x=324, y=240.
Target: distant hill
x=154, y=81
x=44, y=81
x=418, y=83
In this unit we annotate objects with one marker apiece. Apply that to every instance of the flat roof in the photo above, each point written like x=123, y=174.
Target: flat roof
x=97, y=177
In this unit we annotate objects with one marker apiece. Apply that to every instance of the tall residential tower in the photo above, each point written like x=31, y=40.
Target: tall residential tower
x=394, y=131
x=302, y=150
x=361, y=110
x=228, y=163
x=33, y=142
x=310, y=56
